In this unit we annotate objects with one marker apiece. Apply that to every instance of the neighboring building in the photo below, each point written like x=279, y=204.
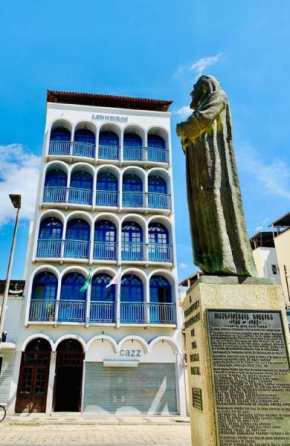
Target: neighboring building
x=265, y=257
x=11, y=327
x=281, y=231
x=104, y=210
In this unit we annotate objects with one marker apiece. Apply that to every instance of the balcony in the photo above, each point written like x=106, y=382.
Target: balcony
x=159, y=252
x=134, y=199
x=157, y=155
x=67, y=195
x=105, y=250
x=109, y=152
x=76, y=249
x=65, y=148
x=107, y=198
x=134, y=153
x=101, y=312
x=158, y=201
x=135, y=252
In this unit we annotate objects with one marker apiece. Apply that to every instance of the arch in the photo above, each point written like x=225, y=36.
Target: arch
x=103, y=298
x=132, y=246
x=55, y=177
x=82, y=215
x=81, y=186
x=109, y=142
x=133, y=143
x=84, y=140
x=107, y=188
x=134, y=338
x=61, y=123
x=133, y=189
x=132, y=288
x=160, y=290
x=50, y=228
x=72, y=303
x=170, y=341
x=105, y=240
x=71, y=336
x=164, y=221
x=77, y=238
x=106, y=338
x=35, y=336
x=74, y=269
x=84, y=135
x=158, y=141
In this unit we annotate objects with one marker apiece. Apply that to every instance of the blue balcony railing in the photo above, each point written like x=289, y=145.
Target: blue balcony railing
x=109, y=152
x=158, y=155
x=134, y=199
x=159, y=252
x=48, y=248
x=67, y=195
x=107, y=198
x=159, y=201
x=134, y=153
x=102, y=312
x=81, y=149
x=59, y=148
x=76, y=249
x=105, y=250
x=134, y=251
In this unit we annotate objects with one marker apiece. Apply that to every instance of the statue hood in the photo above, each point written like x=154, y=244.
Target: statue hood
x=210, y=82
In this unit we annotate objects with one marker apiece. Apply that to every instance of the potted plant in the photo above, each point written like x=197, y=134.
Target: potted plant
x=50, y=311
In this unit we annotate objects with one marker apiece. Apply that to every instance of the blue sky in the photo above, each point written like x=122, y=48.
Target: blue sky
x=155, y=49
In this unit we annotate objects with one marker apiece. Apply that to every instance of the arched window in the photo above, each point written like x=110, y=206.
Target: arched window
x=133, y=149
x=72, y=305
x=159, y=249
x=132, y=241
x=49, y=239
x=77, y=239
x=85, y=135
x=81, y=185
x=132, y=191
x=107, y=189
x=108, y=145
x=160, y=290
x=44, y=290
x=38, y=345
x=102, y=307
x=105, y=246
x=157, y=149
x=84, y=144
x=161, y=308
x=156, y=184
x=132, y=297
x=71, y=287
x=55, y=178
x=60, y=134
x=131, y=289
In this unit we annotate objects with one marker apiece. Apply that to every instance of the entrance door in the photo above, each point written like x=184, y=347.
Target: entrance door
x=33, y=378
x=68, y=378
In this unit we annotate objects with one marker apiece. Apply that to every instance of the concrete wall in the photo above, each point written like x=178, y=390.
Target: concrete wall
x=282, y=244
x=264, y=259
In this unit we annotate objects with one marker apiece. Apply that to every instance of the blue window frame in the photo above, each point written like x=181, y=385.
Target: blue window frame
x=60, y=134
x=50, y=228
x=55, y=178
x=108, y=138
x=72, y=305
x=132, y=140
x=132, y=183
x=156, y=142
x=105, y=240
x=158, y=234
x=81, y=188
x=132, y=238
x=132, y=147
x=77, y=239
x=156, y=184
x=43, y=297
x=159, y=249
x=107, y=189
x=85, y=136
x=160, y=290
x=131, y=289
x=99, y=291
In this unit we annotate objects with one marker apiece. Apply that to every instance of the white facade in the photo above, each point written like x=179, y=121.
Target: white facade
x=267, y=263
x=123, y=348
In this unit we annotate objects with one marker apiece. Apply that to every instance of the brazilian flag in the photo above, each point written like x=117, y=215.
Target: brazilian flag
x=86, y=284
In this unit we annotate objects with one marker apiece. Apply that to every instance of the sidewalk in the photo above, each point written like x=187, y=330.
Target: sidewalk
x=72, y=418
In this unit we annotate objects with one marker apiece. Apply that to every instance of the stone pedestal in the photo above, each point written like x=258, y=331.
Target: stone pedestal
x=237, y=344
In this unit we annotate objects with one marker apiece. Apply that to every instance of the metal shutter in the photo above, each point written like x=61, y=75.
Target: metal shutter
x=6, y=375
x=146, y=389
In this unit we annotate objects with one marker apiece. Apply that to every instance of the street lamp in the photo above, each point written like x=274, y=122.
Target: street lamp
x=16, y=201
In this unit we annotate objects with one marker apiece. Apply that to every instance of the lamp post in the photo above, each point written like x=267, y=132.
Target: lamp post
x=16, y=201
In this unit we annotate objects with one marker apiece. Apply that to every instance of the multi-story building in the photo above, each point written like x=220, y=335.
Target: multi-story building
x=104, y=211
x=265, y=255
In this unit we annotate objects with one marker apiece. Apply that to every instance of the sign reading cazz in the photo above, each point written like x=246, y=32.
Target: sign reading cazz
x=131, y=353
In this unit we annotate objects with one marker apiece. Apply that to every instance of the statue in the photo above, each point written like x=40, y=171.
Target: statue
x=218, y=228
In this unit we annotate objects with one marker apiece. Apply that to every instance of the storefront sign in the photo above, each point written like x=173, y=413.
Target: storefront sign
x=132, y=353
x=110, y=118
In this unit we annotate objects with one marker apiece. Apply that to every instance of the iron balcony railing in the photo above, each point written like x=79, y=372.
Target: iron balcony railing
x=102, y=312
x=157, y=155
x=135, y=153
x=76, y=249
x=109, y=152
x=140, y=313
x=105, y=250
x=107, y=198
x=49, y=248
x=133, y=251
x=161, y=313
x=67, y=195
x=42, y=310
x=72, y=148
x=134, y=199
x=71, y=310
x=159, y=252
x=158, y=201
x=132, y=313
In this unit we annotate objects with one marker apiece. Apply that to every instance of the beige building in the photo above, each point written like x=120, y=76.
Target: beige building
x=264, y=253
x=281, y=232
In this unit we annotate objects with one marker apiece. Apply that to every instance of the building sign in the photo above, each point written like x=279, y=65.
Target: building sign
x=110, y=118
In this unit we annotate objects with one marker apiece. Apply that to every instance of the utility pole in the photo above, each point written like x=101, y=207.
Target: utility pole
x=16, y=201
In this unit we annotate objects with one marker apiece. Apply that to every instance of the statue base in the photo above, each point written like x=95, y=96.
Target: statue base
x=237, y=343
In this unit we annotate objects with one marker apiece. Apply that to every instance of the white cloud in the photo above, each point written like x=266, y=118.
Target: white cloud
x=200, y=65
x=273, y=176
x=19, y=171
x=183, y=111
x=185, y=266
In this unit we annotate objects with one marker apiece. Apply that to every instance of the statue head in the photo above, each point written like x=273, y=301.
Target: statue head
x=204, y=86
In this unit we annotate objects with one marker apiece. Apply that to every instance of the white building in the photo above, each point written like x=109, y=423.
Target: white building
x=104, y=209
x=265, y=255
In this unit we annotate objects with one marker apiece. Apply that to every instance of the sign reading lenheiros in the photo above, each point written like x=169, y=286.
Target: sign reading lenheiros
x=110, y=118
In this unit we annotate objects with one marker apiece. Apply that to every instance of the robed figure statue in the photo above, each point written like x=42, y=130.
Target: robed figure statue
x=218, y=229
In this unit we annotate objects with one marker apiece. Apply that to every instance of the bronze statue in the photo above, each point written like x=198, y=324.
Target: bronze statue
x=218, y=228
